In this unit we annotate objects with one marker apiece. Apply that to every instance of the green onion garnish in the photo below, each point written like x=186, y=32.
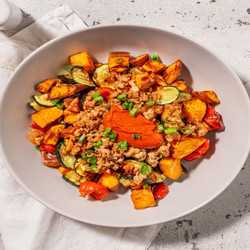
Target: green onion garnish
x=37, y=147
x=160, y=157
x=59, y=105
x=187, y=130
x=96, y=94
x=150, y=103
x=89, y=151
x=144, y=169
x=118, y=59
x=170, y=122
x=94, y=169
x=155, y=58
x=62, y=122
x=122, y=97
x=119, y=176
x=130, y=105
x=170, y=130
x=145, y=185
x=133, y=111
x=160, y=128
x=92, y=160
x=84, y=157
x=125, y=105
x=68, y=68
x=97, y=144
x=55, y=101
x=112, y=136
x=122, y=144
x=106, y=132
x=108, y=106
x=98, y=98
x=82, y=137
x=134, y=136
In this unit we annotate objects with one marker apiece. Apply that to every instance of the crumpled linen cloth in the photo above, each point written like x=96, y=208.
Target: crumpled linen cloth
x=24, y=222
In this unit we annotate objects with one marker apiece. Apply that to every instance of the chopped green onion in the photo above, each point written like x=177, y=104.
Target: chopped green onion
x=122, y=144
x=96, y=94
x=145, y=185
x=55, y=101
x=160, y=157
x=170, y=130
x=160, y=128
x=37, y=147
x=99, y=99
x=62, y=122
x=133, y=111
x=82, y=138
x=89, y=151
x=119, y=176
x=187, y=130
x=134, y=136
x=150, y=103
x=170, y=122
x=118, y=59
x=108, y=106
x=130, y=105
x=122, y=97
x=94, y=169
x=92, y=160
x=112, y=136
x=144, y=169
x=84, y=157
x=155, y=58
x=68, y=68
x=59, y=105
x=125, y=105
x=97, y=144
x=106, y=132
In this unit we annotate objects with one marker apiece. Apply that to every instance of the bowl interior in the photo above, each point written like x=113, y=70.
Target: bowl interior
x=207, y=177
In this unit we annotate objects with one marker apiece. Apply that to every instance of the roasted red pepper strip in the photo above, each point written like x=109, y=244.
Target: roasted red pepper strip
x=97, y=190
x=160, y=191
x=200, y=151
x=48, y=148
x=105, y=92
x=214, y=118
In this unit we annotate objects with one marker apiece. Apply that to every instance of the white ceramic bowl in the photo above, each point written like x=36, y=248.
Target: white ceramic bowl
x=207, y=178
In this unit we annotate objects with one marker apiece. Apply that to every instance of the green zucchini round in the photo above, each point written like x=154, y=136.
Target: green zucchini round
x=168, y=95
x=81, y=76
x=43, y=100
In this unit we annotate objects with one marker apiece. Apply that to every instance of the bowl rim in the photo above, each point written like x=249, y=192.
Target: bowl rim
x=112, y=224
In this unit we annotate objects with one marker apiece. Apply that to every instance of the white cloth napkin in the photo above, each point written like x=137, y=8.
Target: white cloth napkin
x=24, y=222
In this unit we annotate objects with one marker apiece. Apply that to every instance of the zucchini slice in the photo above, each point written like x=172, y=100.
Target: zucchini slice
x=184, y=96
x=36, y=106
x=80, y=168
x=168, y=95
x=100, y=76
x=66, y=79
x=74, y=178
x=43, y=100
x=67, y=160
x=81, y=76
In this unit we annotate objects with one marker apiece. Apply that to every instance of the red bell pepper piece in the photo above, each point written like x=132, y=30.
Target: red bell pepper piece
x=48, y=148
x=97, y=190
x=160, y=191
x=213, y=118
x=200, y=151
x=105, y=92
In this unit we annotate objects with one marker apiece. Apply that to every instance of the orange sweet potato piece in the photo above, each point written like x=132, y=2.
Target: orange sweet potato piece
x=63, y=170
x=109, y=181
x=160, y=83
x=118, y=61
x=172, y=71
x=46, y=116
x=171, y=168
x=142, y=198
x=82, y=59
x=194, y=109
x=46, y=85
x=180, y=84
x=153, y=66
x=145, y=80
x=53, y=134
x=139, y=60
x=65, y=90
x=207, y=96
x=74, y=106
x=185, y=146
x=67, y=101
x=98, y=65
x=68, y=131
x=70, y=119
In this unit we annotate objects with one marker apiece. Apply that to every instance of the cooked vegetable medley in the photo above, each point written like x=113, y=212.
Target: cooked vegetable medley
x=127, y=123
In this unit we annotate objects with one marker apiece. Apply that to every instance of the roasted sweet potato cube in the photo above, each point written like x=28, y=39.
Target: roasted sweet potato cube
x=180, y=84
x=172, y=71
x=98, y=65
x=46, y=116
x=118, y=61
x=109, y=181
x=185, y=146
x=68, y=131
x=171, y=167
x=145, y=80
x=65, y=90
x=82, y=59
x=153, y=66
x=139, y=60
x=207, y=96
x=67, y=101
x=142, y=198
x=45, y=86
x=70, y=119
x=74, y=106
x=194, y=109
x=53, y=134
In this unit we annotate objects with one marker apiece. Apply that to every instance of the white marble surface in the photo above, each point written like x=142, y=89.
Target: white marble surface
x=224, y=27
